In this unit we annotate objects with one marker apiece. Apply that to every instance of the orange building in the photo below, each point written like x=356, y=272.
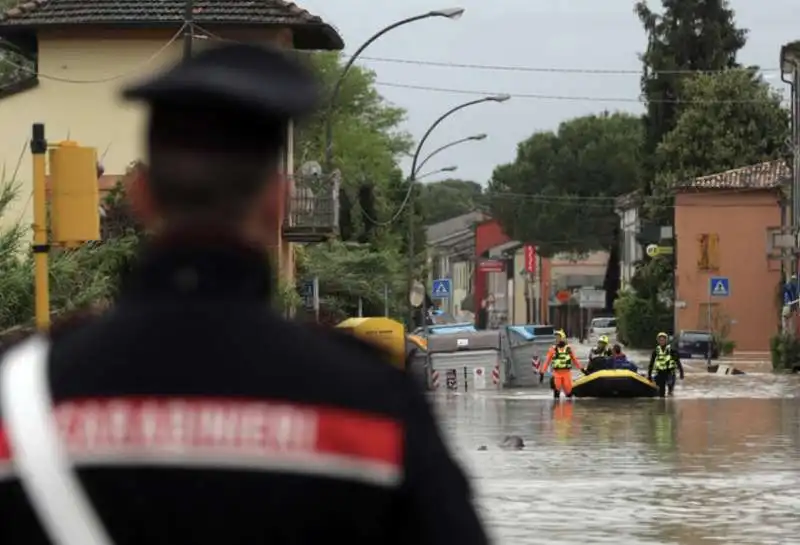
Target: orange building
x=722, y=223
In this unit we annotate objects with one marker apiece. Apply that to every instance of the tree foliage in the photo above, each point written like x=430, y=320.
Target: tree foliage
x=731, y=119
x=348, y=272
x=368, y=144
x=79, y=278
x=559, y=192
x=687, y=35
x=367, y=140
x=642, y=311
x=450, y=198
x=14, y=66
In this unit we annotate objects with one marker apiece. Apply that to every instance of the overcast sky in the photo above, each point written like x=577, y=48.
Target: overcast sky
x=588, y=34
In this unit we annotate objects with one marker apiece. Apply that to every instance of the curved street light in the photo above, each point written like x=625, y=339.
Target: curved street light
x=474, y=138
x=412, y=181
x=448, y=113
x=448, y=13
x=438, y=171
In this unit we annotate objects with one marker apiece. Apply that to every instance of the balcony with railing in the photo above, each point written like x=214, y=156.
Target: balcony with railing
x=312, y=210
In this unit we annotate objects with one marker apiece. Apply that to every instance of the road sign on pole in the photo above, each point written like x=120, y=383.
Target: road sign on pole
x=310, y=293
x=654, y=250
x=417, y=294
x=442, y=288
x=592, y=298
x=719, y=286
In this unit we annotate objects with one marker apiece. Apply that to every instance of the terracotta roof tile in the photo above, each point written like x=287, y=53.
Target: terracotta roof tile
x=760, y=176
x=311, y=32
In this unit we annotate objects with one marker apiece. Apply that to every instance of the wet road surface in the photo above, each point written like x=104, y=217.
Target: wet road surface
x=718, y=463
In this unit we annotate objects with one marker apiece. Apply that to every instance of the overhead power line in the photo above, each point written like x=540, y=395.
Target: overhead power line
x=570, y=98
x=572, y=201
x=553, y=69
x=203, y=33
x=577, y=203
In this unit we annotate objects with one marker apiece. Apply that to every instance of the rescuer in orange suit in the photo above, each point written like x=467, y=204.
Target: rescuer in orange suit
x=562, y=359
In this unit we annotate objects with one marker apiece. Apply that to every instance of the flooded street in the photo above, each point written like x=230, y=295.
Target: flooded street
x=718, y=463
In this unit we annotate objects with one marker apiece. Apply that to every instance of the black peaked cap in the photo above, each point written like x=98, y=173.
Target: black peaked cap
x=263, y=81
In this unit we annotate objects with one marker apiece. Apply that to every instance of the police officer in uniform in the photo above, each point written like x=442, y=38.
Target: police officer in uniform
x=665, y=362
x=194, y=414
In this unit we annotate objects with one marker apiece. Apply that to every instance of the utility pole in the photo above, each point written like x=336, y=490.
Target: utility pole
x=796, y=158
x=188, y=23
x=411, y=249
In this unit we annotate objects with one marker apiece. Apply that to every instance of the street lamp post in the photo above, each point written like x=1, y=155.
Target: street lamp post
x=412, y=180
x=437, y=171
x=449, y=13
x=431, y=155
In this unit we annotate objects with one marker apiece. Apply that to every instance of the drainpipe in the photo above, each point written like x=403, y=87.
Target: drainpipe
x=789, y=60
x=794, y=216
x=794, y=269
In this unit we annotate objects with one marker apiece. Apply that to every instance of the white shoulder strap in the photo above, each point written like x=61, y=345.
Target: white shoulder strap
x=39, y=456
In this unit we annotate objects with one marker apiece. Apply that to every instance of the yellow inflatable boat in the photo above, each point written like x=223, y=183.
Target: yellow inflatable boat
x=614, y=383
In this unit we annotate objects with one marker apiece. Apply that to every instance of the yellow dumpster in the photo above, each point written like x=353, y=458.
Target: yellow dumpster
x=385, y=333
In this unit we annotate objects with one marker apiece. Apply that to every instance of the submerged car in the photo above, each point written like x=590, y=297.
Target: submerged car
x=602, y=326
x=696, y=344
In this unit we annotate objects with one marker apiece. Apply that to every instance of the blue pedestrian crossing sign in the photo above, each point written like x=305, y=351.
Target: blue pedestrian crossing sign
x=441, y=288
x=719, y=286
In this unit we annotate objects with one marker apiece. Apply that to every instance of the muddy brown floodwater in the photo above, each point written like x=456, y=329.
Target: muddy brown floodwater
x=718, y=463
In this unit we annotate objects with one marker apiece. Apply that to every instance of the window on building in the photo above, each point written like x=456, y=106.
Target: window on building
x=706, y=311
x=708, y=252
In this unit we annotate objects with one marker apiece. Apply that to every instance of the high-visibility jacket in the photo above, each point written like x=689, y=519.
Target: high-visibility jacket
x=600, y=353
x=562, y=359
x=665, y=360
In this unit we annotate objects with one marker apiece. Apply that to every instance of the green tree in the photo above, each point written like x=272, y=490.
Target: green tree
x=686, y=35
x=366, y=135
x=15, y=67
x=348, y=272
x=79, y=278
x=731, y=119
x=559, y=192
x=450, y=198
x=642, y=311
x=368, y=144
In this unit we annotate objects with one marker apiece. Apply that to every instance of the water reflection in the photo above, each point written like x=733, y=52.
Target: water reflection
x=691, y=470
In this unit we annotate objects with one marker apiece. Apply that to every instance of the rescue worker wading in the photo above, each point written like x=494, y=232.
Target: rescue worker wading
x=562, y=359
x=664, y=361
x=191, y=412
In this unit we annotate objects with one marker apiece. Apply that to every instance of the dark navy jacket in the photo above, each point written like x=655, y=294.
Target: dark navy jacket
x=195, y=415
